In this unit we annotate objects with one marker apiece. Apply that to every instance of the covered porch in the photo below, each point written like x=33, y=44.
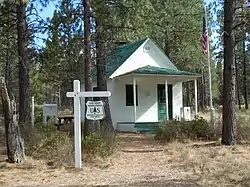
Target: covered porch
x=156, y=95
x=169, y=90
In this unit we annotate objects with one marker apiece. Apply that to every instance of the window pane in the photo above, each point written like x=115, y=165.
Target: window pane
x=130, y=95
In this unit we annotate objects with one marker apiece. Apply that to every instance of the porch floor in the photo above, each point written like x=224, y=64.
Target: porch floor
x=146, y=127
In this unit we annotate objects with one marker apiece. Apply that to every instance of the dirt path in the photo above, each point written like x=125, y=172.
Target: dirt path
x=130, y=166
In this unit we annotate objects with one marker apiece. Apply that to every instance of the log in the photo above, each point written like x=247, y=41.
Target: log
x=14, y=141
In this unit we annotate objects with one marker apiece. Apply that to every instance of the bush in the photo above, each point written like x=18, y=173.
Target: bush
x=96, y=145
x=50, y=144
x=38, y=114
x=198, y=128
x=46, y=142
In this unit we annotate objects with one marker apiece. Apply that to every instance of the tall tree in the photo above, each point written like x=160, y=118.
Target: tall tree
x=229, y=82
x=106, y=124
x=62, y=53
x=245, y=72
x=24, y=84
x=87, y=59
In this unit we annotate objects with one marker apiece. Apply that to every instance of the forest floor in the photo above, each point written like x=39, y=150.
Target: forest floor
x=139, y=160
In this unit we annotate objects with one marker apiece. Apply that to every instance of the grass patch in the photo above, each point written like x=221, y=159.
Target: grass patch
x=211, y=165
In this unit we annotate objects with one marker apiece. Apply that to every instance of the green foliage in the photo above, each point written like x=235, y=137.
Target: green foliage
x=176, y=26
x=95, y=145
x=198, y=128
x=38, y=113
x=45, y=142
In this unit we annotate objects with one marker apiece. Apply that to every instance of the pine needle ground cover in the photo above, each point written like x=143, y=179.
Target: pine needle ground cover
x=140, y=160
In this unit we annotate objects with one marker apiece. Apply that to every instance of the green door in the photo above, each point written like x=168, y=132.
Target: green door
x=162, y=102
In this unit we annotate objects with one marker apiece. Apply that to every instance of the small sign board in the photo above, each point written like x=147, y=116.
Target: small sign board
x=95, y=110
x=49, y=109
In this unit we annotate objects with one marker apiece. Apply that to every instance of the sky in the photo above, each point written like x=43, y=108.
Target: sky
x=48, y=13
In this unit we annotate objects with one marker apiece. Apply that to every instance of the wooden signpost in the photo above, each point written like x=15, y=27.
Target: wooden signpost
x=94, y=112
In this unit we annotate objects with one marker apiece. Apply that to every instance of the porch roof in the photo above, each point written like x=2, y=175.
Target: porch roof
x=163, y=71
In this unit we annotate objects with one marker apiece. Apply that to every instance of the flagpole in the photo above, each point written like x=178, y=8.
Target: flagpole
x=212, y=112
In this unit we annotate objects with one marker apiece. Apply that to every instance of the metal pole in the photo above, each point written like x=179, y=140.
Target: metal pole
x=209, y=72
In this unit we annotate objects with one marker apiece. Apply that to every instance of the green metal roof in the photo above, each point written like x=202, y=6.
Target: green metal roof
x=123, y=52
x=120, y=55
x=162, y=71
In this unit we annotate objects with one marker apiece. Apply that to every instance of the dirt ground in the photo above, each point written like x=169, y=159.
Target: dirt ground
x=139, y=161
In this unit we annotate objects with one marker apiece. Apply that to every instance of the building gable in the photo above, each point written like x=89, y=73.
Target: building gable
x=147, y=54
x=120, y=55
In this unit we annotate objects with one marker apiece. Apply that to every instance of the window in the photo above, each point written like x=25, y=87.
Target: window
x=130, y=95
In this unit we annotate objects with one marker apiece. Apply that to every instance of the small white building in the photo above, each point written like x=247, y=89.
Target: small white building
x=146, y=86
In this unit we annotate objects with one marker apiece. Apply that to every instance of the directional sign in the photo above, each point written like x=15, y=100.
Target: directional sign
x=95, y=110
x=93, y=114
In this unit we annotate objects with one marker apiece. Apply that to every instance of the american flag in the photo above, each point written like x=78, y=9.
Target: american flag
x=204, y=37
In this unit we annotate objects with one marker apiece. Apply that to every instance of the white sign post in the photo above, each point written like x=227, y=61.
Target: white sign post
x=76, y=94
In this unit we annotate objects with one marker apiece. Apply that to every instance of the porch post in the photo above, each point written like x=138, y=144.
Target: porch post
x=166, y=95
x=195, y=97
x=134, y=90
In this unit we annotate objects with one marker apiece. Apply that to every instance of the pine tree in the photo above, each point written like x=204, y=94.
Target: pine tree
x=229, y=77
x=106, y=125
x=24, y=84
x=87, y=60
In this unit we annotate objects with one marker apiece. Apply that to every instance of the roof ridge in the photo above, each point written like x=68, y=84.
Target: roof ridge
x=132, y=43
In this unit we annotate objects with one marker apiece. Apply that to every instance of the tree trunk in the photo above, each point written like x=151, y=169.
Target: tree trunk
x=107, y=129
x=238, y=84
x=7, y=59
x=87, y=60
x=229, y=78
x=14, y=142
x=245, y=74
x=24, y=85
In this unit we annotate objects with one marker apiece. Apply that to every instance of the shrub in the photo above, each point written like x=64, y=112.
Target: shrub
x=50, y=144
x=38, y=113
x=46, y=142
x=96, y=145
x=198, y=128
